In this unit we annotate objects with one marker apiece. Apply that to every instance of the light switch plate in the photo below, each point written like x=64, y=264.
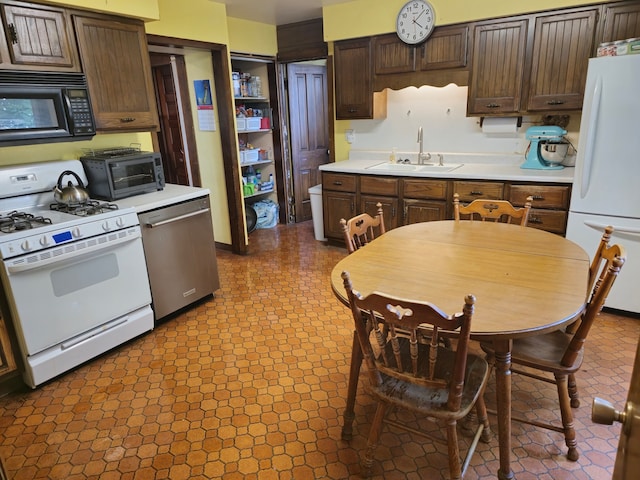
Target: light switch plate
x=350, y=135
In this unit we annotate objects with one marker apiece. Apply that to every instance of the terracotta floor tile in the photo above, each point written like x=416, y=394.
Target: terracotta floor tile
x=250, y=385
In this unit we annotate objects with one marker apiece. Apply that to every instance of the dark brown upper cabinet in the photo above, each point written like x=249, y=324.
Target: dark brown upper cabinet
x=499, y=52
x=36, y=37
x=355, y=98
x=619, y=22
x=561, y=49
x=116, y=61
x=446, y=48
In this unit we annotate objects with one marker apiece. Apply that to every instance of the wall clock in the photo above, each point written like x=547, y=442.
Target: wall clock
x=415, y=22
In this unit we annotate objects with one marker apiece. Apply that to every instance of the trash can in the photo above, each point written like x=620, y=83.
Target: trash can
x=315, y=195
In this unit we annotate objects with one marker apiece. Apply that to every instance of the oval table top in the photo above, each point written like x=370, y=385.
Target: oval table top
x=525, y=280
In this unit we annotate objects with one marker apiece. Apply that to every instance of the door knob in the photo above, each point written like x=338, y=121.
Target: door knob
x=603, y=412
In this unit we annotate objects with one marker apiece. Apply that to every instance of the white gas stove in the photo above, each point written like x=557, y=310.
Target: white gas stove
x=74, y=276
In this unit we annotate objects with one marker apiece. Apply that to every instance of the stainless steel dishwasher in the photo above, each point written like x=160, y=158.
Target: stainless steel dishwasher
x=180, y=252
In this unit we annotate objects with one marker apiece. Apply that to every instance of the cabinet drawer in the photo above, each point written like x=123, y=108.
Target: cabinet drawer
x=469, y=191
x=379, y=185
x=427, y=189
x=544, y=196
x=339, y=182
x=554, y=221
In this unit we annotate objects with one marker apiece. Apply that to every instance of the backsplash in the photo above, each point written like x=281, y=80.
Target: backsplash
x=441, y=112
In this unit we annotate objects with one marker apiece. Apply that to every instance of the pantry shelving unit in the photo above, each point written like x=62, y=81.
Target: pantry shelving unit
x=254, y=120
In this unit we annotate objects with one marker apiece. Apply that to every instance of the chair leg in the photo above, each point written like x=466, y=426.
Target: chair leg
x=483, y=418
x=374, y=436
x=573, y=391
x=567, y=417
x=454, y=451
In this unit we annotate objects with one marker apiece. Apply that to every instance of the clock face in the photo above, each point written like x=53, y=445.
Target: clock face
x=415, y=22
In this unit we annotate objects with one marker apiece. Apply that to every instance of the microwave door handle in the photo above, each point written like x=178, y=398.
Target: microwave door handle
x=67, y=106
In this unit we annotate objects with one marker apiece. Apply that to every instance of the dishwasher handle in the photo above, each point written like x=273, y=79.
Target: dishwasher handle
x=176, y=219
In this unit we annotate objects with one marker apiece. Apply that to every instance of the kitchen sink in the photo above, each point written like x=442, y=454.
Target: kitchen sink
x=410, y=167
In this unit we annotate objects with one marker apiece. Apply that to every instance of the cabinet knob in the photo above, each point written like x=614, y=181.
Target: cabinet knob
x=493, y=105
x=127, y=119
x=476, y=193
x=536, y=220
x=538, y=197
x=555, y=102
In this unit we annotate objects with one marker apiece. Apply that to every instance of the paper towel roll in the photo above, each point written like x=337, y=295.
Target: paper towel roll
x=504, y=126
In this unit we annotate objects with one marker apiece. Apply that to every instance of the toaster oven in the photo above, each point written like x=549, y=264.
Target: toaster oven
x=117, y=173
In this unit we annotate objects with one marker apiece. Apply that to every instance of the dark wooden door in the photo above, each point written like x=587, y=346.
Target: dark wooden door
x=170, y=139
x=309, y=131
x=176, y=138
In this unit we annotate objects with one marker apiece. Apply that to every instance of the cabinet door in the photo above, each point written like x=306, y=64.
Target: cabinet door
x=620, y=21
x=446, y=48
x=416, y=211
x=116, y=61
x=562, y=46
x=368, y=204
x=497, y=67
x=38, y=36
x=391, y=55
x=336, y=206
x=354, y=79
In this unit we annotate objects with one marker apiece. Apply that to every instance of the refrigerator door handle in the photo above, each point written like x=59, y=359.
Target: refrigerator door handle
x=591, y=137
x=601, y=226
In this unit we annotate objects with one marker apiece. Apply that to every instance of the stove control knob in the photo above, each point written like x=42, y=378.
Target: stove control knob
x=44, y=241
x=76, y=232
x=105, y=226
x=120, y=222
x=26, y=246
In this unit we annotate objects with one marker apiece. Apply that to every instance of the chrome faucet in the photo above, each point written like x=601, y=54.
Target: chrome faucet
x=422, y=157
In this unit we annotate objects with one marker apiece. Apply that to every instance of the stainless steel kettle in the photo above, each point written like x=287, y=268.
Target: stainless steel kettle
x=71, y=194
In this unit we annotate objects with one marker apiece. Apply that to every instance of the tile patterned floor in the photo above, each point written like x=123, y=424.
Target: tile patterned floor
x=251, y=384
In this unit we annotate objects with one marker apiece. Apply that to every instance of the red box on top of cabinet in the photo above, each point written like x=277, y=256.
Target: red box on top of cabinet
x=264, y=123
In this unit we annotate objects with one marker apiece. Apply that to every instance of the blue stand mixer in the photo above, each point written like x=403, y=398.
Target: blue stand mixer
x=544, y=139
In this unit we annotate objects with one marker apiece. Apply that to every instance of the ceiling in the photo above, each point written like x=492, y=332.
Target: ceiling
x=277, y=12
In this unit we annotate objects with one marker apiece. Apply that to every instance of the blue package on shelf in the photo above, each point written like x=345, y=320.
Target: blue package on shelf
x=267, y=212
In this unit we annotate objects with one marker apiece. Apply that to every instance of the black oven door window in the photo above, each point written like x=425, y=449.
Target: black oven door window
x=127, y=175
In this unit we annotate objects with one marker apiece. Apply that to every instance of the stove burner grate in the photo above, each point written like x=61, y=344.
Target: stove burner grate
x=15, y=220
x=88, y=208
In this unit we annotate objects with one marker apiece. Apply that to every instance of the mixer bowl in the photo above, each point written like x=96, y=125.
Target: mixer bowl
x=554, y=153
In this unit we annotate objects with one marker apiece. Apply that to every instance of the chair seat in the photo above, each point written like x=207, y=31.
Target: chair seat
x=543, y=352
x=433, y=400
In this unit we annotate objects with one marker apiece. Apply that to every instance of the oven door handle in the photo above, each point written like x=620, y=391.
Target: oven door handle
x=176, y=219
x=75, y=254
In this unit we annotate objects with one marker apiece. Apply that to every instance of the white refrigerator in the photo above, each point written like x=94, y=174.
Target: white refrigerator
x=606, y=186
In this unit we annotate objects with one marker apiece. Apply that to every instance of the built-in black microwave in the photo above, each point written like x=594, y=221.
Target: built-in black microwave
x=44, y=107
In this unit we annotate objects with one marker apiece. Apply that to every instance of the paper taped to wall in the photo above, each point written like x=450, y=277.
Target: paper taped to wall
x=500, y=126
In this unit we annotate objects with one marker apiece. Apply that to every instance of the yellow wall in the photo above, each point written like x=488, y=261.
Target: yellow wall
x=344, y=20
x=200, y=20
x=252, y=37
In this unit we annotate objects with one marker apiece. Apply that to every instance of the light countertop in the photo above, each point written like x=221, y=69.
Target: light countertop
x=170, y=195
x=474, y=167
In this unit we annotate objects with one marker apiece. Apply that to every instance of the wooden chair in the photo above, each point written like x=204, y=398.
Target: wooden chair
x=493, y=210
x=361, y=229
x=560, y=353
x=429, y=380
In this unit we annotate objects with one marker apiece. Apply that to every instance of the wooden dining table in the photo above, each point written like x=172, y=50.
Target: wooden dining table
x=526, y=281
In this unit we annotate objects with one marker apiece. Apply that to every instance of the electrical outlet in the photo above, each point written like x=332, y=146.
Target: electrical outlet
x=350, y=135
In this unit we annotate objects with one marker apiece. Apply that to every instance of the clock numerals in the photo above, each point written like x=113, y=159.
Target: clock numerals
x=415, y=21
